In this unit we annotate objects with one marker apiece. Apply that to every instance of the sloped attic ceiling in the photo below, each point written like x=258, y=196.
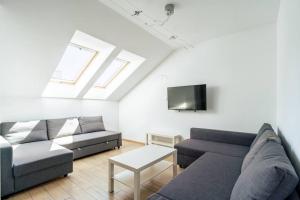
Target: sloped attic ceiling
x=35, y=33
x=194, y=21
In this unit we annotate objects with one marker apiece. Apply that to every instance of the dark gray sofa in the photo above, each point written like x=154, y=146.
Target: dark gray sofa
x=232, y=165
x=34, y=152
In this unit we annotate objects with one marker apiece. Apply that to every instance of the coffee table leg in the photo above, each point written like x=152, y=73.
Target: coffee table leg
x=174, y=164
x=110, y=176
x=137, y=192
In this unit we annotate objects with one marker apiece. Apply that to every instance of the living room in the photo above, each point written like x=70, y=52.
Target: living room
x=158, y=100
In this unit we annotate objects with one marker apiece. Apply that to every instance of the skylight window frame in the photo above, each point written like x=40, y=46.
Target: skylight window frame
x=115, y=76
x=83, y=69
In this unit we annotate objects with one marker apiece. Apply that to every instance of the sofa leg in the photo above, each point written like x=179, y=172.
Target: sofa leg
x=118, y=147
x=65, y=175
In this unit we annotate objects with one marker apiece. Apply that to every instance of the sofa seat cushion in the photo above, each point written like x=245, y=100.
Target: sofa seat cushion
x=210, y=177
x=82, y=140
x=195, y=148
x=35, y=156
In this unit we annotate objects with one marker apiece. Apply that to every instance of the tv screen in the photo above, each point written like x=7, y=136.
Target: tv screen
x=191, y=97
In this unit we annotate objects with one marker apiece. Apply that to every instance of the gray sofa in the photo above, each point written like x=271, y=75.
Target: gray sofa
x=33, y=152
x=223, y=165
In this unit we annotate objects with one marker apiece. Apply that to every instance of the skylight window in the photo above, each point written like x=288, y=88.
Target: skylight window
x=74, y=62
x=89, y=69
x=114, y=75
x=82, y=58
x=111, y=72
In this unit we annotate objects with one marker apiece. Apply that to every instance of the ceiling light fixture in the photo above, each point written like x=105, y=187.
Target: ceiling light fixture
x=169, y=8
x=152, y=24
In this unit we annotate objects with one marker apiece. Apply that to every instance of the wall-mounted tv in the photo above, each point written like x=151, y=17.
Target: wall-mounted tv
x=191, y=97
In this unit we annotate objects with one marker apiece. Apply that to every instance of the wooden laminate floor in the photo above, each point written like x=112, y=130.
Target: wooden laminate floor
x=89, y=181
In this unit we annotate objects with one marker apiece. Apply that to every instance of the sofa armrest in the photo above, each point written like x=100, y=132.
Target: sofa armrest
x=229, y=137
x=7, y=179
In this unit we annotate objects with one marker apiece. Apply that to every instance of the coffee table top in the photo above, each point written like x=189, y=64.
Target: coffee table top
x=143, y=157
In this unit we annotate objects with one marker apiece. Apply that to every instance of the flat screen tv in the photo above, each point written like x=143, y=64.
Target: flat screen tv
x=191, y=97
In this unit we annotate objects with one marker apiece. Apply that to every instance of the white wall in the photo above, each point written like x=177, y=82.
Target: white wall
x=23, y=109
x=289, y=75
x=240, y=72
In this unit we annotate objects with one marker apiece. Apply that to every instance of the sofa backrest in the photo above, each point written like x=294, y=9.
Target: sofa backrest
x=267, y=171
x=269, y=176
x=24, y=132
x=230, y=137
x=261, y=140
x=263, y=128
x=63, y=127
x=91, y=124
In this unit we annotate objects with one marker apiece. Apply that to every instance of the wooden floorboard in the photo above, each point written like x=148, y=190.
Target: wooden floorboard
x=89, y=181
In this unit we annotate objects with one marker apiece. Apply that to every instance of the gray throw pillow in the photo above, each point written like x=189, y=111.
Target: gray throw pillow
x=268, y=135
x=91, y=124
x=269, y=176
x=262, y=129
x=63, y=127
x=24, y=132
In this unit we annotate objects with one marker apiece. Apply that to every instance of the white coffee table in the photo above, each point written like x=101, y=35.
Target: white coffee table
x=141, y=165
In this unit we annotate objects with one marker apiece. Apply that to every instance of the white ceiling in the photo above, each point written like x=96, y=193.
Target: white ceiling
x=197, y=20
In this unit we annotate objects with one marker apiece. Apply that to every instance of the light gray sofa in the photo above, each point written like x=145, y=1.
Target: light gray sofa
x=34, y=152
x=223, y=165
